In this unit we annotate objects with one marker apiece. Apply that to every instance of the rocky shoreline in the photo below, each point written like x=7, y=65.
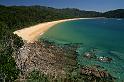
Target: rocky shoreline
x=46, y=57
x=56, y=60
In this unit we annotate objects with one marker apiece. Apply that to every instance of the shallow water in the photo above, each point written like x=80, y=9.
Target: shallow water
x=105, y=35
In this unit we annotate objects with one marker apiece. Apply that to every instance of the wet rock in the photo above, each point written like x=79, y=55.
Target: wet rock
x=104, y=59
x=92, y=55
x=89, y=55
x=95, y=72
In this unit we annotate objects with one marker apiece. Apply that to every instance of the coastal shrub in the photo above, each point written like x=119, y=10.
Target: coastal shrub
x=8, y=70
x=36, y=76
x=9, y=43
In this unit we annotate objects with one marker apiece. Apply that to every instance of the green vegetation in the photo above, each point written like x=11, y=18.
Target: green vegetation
x=17, y=17
x=36, y=76
x=75, y=76
x=119, y=13
x=8, y=44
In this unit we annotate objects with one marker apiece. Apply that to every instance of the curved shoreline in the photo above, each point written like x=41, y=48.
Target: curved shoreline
x=32, y=33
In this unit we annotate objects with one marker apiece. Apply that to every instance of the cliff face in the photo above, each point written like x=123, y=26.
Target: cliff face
x=47, y=58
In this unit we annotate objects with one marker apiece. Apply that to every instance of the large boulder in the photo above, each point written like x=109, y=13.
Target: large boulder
x=95, y=72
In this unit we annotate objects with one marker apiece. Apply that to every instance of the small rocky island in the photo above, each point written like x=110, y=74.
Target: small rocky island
x=57, y=61
x=92, y=55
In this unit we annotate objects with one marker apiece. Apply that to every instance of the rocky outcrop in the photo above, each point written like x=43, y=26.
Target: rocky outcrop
x=104, y=59
x=46, y=57
x=95, y=72
x=92, y=55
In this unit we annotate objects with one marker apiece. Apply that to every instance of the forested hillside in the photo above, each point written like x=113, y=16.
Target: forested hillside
x=119, y=13
x=22, y=16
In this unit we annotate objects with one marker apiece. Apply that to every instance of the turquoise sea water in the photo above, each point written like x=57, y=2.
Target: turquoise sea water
x=105, y=35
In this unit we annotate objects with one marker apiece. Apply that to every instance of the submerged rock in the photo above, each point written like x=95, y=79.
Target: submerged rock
x=89, y=55
x=93, y=55
x=104, y=59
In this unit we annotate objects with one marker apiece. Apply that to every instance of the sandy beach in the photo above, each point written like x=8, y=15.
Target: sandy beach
x=31, y=34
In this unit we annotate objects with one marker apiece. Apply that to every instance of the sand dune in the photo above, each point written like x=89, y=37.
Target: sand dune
x=32, y=33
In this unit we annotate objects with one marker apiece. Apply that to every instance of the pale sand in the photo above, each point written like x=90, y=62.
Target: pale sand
x=32, y=33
